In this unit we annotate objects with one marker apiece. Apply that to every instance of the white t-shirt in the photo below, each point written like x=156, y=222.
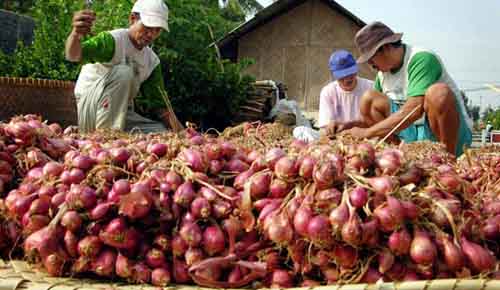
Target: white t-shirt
x=335, y=104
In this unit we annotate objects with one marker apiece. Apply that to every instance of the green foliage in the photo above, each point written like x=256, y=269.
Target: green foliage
x=45, y=58
x=493, y=116
x=202, y=88
x=233, y=11
x=472, y=110
x=249, y=7
x=20, y=6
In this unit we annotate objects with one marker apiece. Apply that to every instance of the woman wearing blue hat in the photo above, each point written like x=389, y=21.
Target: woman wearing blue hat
x=340, y=99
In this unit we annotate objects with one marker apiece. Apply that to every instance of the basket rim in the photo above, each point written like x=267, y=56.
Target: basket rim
x=32, y=82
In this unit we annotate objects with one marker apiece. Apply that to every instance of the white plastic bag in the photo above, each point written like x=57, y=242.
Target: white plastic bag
x=306, y=134
x=290, y=107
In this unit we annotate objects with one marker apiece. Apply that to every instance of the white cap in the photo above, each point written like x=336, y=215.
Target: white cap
x=154, y=13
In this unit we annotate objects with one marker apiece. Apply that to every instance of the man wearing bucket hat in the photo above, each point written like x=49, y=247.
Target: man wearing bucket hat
x=118, y=65
x=340, y=99
x=409, y=80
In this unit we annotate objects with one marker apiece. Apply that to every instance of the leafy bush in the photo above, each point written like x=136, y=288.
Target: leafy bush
x=494, y=118
x=203, y=89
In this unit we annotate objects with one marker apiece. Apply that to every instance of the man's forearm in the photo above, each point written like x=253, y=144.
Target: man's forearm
x=357, y=123
x=382, y=128
x=73, y=47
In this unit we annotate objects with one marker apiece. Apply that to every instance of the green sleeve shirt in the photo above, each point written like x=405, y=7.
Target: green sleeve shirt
x=377, y=86
x=424, y=70
x=101, y=48
x=153, y=86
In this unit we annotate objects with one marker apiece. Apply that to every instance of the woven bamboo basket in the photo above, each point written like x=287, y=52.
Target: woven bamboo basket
x=17, y=275
x=53, y=100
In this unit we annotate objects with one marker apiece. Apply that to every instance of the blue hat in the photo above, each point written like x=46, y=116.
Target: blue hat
x=342, y=64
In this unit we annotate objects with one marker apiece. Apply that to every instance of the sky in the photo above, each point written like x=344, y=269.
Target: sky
x=465, y=34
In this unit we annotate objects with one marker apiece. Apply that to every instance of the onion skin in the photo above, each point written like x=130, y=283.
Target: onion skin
x=383, y=184
x=391, y=215
x=306, y=167
x=136, y=205
x=100, y=211
x=54, y=264
x=233, y=229
x=410, y=210
x=326, y=173
x=281, y=279
x=236, y=165
x=339, y=216
x=184, y=194
x=260, y=183
x=327, y=199
x=319, y=230
x=160, y=277
x=301, y=220
x=163, y=242
x=201, y=208
x=389, y=161
x=422, y=249
x=174, y=179
x=413, y=175
x=191, y=234
x=72, y=221
x=179, y=246
x=345, y=256
x=273, y=155
x=351, y=231
x=141, y=273
x=286, y=168
x=123, y=266
x=90, y=246
x=32, y=223
x=193, y=256
x=371, y=276
x=43, y=242
x=450, y=181
x=242, y=178
x=155, y=258
x=180, y=271
x=104, y=265
x=279, y=188
x=452, y=254
x=477, y=257
x=235, y=275
x=399, y=242
x=358, y=197
x=71, y=244
x=116, y=234
x=385, y=261
x=213, y=240
x=370, y=233
x=279, y=229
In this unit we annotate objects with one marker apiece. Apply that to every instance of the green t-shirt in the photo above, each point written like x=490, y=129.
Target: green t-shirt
x=424, y=70
x=101, y=48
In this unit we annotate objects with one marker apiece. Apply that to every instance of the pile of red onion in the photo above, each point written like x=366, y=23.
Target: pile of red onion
x=199, y=209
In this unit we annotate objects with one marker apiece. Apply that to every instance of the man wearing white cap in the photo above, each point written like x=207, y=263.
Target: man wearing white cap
x=118, y=65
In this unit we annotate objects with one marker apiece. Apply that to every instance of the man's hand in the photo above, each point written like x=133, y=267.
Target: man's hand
x=332, y=128
x=83, y=21
x=336, y=127
x=356, y=132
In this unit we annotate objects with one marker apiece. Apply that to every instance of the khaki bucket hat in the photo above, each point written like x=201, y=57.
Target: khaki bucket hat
x=371, y=37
